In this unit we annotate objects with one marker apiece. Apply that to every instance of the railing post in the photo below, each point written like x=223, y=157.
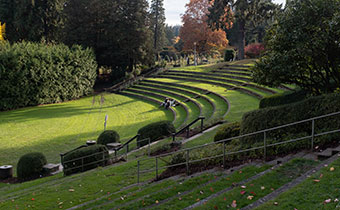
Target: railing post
x=127, y=151
x=173, y=137
x=187, y=162
x=188, y=130
x=265, y=145
x=313, y=134
x=202, y=121
x=82, y=164
x=103, y=159
x=149, y=152
x=138, y=172
x=224, y=156
x=156, y=168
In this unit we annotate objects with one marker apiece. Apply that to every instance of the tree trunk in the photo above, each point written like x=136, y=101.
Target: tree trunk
x=241, y=39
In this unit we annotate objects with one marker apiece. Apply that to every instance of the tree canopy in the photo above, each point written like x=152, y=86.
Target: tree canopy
x=157, y=19
x=303, y=48
x=196, y=30
x=2, y=31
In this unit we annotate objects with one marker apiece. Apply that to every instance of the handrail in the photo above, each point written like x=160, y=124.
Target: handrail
x=127, y=143
x=187, y=128
x=265, y=145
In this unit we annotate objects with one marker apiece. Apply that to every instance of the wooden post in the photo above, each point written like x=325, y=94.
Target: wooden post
x=187, y=162
x=224, y=155
x=138, y=171
x=313, y=135
x=265, y=145
x=156, y=168
x=202, y=121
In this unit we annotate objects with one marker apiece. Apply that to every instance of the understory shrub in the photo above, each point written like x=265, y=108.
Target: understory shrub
x=283, y=98
x=37, y=73
x=31, y=166
x=254, y=50
x=281, y=115
x=228, y=131
x=229, y=55
x=107, y=137
x=85, y=158
x=155, y=131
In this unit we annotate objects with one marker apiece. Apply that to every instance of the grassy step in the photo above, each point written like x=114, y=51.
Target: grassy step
x=179, y=109
x=256, y=189
x=224, y=75
x=143, y=193
x=179, y=97
x=235, y=72
x=209, y=106
x=228, y=86
x=141, y=97
x=217, y=77
x=218, y=99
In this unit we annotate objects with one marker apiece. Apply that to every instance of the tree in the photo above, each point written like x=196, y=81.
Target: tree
x=195, y=28
x=158, y=24
x=303, y=48
x=33, y=20
x=118, y=31
x=243, y=12
x=2, y=31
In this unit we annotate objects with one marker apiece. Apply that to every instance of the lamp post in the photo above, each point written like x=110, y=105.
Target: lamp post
x=195, y=58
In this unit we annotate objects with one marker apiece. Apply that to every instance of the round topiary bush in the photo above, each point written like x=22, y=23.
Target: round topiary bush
x=107, y=137
x=228, y=131
x=31, y=165
x=155, y=131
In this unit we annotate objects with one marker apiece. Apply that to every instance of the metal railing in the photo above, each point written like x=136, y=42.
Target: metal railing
x=224, y=154
x=187, y=128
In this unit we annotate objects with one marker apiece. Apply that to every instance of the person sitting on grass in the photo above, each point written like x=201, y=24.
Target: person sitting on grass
x=164, y=103
x=173, y=103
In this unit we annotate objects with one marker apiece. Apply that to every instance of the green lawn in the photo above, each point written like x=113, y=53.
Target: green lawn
x=54, y=129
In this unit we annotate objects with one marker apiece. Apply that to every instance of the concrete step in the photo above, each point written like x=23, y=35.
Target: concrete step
x=325, y=154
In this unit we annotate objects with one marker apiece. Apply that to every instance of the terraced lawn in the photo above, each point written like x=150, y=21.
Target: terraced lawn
x=54, y=129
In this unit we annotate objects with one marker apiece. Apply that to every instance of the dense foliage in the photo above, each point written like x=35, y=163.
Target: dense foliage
x=254, y=50
x=2, y=31
x=157, y=19
x=31, y=166
x=33, y=20
x=33, y=74
x=283, y=98
x=228, y=131
x=85, y=158
x=108, y=136
x=155, y=131
x=276, y=116
x=303, y=48
x=229, y=55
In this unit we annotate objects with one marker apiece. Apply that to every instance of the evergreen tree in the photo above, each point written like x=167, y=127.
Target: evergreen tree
x=158, y=24
x=33, y=20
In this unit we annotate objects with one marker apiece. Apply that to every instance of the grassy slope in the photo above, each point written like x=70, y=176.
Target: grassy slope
x=57, y=128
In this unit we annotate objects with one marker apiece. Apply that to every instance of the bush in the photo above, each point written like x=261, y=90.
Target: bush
x=281, y=115
x=36, y=73
x=155, y=131
x=254, y=50
x=107, y=137
x=94, y=156
x=31, y=166
x=229, y=55
x=228, y=131
x=282, y=99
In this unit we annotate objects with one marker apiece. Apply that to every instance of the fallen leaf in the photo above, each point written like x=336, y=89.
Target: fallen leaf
x=272, y=189
x=180, y=198
x=263, y=188
x=316, y=180
x=215, y=207
x=250, y=197
x=71, y=190
x=234, y=204
x=240, y=172
x=179, y=193
x=336, y=200
x=276, y=203
x=332, y=169
x=253, y=193
x=243, y=187
x=157, y=201
x=321, y=175
x=243, y=192
x=201, y=192
x=224, y=198
x=122, y=198
x=197, y=199
x=211, y=189
x=327, y=201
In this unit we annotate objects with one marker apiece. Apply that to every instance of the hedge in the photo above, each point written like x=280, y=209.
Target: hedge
x=283, y=98
x=108, y=136
x=155, y=131
x=31, y=166
x=229, y=55
x=85, y=158
x=36, y=73
x=281, y=115
x=228, y=131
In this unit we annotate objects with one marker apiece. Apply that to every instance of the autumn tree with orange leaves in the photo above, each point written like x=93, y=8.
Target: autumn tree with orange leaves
x=196, y=30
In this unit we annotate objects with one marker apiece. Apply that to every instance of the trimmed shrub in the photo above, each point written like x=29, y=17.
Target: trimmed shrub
x=31, y=166
x=228, y=131
x=281, y=115
x=36, y=73
x=284, y=98
x=85, y=158
x=229, y=55
x=107, y=137
x=155, y=131
x=254, y=50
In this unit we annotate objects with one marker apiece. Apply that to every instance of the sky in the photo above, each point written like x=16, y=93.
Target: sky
x=174, y=9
